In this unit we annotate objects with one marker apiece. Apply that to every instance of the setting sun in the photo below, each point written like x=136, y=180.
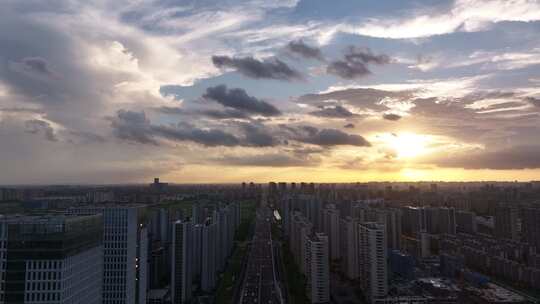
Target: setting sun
x=406, y=145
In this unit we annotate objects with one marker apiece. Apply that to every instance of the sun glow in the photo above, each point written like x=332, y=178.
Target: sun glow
x=407, y=145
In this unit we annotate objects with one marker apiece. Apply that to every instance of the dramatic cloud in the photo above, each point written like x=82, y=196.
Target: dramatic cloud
x=330, y=137
x=36, y=126
x=464, y=15
x=238, y=99
x=304, y=50
x=225, y=114
x=362, y=98
x=518, y=157
x=253, y=68
x=36, y=65
x=533, y=101
x=355, y=63
x=392, y=117
x=258, y=136
x=333, y=112
x=206, y=137
x=269, y=160
x=133, y=126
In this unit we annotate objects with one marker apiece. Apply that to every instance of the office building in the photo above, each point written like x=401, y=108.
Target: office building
x=181, y=262
x=51, y=259
x=125, y=242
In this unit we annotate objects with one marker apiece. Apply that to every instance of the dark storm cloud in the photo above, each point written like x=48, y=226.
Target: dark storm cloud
x=333, y=137
x=133, y=126
x=210, y=137
x=355, y=63
x=333, y=112
x=517, y=157
x=258, y=135
x=37, y=126
x=349, y=126
x=238, y=99
x=37, y=65
x=304, y=50
x=324, y=137
x=392, y=117
x=253, y=68
x=533, y=101
x=225, y=114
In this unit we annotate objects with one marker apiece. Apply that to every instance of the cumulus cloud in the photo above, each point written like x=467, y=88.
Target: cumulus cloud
x=238, y=99
x=392, y=117
x=355, y=63
x=333, y=112
x=300, y=48
x=254, y=68
x=36, y=126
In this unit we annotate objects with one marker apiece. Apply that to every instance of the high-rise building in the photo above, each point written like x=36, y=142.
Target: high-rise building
x=196, y=248
x=51, y=259
x=317, y=268
x=447, y=221
x=125, y=242
x=506, y=222
x=466, y=222
x=531, y=226
x=208, y=259
x=331, y=229
x=182, y=262
x=349, y=245
x=373, y=260
x=413, y=220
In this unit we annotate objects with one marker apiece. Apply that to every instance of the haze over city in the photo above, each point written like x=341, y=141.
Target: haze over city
x=99, y=92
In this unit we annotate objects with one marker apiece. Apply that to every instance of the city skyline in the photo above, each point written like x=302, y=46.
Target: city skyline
x=100, y=92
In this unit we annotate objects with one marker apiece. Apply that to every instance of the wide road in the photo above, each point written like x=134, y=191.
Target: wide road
x=260, y=286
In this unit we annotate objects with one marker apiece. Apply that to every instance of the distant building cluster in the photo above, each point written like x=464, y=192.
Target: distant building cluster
x=382, y=243
x=421, y=244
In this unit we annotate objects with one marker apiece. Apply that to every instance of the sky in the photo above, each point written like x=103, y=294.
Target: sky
x=98, y=92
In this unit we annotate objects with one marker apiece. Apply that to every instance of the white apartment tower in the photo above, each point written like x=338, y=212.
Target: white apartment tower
x=182, y=262
x=372, y=260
